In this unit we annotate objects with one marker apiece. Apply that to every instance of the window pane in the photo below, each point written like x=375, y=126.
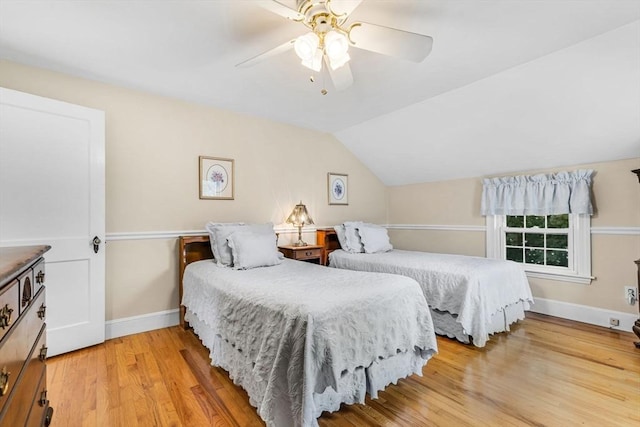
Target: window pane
x=559, y=258
x=534, y=240
x=535, y=221
x=514, y=254
x=558, y=221
x=515, y=221
x=534, y=256
x=560, y=241
x=514, y=239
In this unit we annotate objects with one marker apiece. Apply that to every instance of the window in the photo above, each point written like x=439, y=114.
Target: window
x=538, y=240
x=554, y=247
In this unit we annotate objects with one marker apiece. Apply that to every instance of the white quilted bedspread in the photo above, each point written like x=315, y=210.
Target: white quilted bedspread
x=302, y=326
x=474, y=288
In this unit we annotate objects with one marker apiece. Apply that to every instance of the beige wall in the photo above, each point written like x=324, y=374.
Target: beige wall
x=152, y=149
x=457, y=203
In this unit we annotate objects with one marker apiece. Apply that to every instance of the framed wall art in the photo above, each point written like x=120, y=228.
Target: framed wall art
x=216, y=178
x=338, y=186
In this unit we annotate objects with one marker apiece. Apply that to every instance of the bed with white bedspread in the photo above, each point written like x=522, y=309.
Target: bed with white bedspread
x=302, y=339
x=468, y=296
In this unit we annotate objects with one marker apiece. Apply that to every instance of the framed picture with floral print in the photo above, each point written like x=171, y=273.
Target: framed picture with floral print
x=338, y=186
x=216, y=178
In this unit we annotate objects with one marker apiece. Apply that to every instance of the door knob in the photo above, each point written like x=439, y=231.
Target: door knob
x=96, y=244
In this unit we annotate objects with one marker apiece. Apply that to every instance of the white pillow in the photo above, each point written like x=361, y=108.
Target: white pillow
x=374, y=239
x=218, y=234
x=253, y=249
x=341, y=237
x=352, y=238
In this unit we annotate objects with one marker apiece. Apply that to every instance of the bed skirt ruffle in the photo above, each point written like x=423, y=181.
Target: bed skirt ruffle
x=352, y=386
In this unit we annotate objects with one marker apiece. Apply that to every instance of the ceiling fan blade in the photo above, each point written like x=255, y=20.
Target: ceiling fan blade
x=280, y=9
x=342, y=77
x=268, y=54
x=340, y=7
x=390, y=41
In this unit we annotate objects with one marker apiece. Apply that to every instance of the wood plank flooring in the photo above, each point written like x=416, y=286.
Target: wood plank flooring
x=546, y=372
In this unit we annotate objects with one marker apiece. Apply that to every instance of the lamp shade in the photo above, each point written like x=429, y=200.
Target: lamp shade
x=299, y=217
x=315, y=62
x=336, y=45
x=306, y=46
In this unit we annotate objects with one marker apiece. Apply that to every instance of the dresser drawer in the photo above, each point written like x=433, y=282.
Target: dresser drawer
x=38, y=275
x=18, y=342
x=35, y=316
x=25, y=392
x=9, y=310
x=40, y=405
x=15, y=350
x=26, y=289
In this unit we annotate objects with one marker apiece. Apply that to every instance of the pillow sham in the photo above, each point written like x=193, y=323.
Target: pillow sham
x=352, y=237
x=218, y=234
x=216, y=231
x=374, y=239
x=251, y=249
x=341, y=237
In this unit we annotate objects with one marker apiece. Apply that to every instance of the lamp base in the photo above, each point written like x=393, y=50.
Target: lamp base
x=300, y=242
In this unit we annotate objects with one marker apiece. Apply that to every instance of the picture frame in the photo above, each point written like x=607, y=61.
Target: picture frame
x=338, y=188
x=216, y=178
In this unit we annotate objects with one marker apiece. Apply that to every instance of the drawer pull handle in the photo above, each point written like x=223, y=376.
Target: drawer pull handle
x=40, y=277
x=43, y=398
x=4, y=381
x=43, y=353
x=308, y=253
x=42, y=311
x=5, y=316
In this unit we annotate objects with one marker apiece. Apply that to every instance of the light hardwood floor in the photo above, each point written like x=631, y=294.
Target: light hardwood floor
x=546, y=372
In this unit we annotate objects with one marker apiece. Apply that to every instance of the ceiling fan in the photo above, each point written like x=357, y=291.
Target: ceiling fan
x=330, y=38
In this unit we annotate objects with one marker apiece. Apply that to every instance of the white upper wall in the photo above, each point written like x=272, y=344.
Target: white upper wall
x=578, y=105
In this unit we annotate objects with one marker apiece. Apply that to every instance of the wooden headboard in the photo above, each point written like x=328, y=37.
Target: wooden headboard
x=191, y=249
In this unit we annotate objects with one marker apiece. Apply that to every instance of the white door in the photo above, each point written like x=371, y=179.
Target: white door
x=52, y=192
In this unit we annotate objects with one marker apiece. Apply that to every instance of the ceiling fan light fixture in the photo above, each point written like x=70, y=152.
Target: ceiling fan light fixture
x=336, y=63
x=336, y=45
x=315, y=62
x=306, y=46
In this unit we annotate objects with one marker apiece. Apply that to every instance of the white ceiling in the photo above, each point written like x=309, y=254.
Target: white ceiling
x=509, y=86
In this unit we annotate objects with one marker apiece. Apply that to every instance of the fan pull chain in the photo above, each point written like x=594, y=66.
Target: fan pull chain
x=323, y=91
x=312, y=79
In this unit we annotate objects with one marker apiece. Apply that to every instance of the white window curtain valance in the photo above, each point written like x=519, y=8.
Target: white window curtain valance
x=544, y=194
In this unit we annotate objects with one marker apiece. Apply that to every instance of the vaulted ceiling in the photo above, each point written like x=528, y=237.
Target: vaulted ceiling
x=509, y=86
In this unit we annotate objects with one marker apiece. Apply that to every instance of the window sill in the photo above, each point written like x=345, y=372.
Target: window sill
x=563, y=277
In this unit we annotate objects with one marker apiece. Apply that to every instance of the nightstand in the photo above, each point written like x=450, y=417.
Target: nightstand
x=328, y=239
x=309, y=253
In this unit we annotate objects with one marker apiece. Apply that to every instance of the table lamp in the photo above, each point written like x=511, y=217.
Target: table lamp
x=299, y=217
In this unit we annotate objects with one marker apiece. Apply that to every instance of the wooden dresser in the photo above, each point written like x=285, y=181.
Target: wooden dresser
x=23, y=347
x=328, y=239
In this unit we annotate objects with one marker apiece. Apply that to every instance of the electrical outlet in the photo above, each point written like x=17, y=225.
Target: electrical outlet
x=614, y=322
x=631, y=294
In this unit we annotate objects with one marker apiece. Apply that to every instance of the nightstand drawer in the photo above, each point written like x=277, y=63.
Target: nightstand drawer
x=307, y=253
x=303, y=253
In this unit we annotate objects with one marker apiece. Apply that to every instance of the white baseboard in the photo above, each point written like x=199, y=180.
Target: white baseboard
x=143, y=323
x=584, y=313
